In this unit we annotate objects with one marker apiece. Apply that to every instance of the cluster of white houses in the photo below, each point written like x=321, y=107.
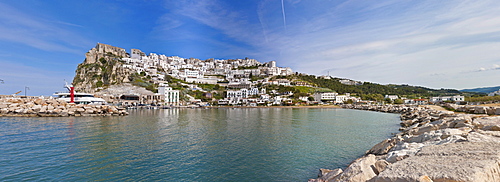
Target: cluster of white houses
x=210, y=71
x=420, y=101
x=236, y=75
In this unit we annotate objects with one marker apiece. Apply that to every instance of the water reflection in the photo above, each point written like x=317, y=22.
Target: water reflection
x=243, y=144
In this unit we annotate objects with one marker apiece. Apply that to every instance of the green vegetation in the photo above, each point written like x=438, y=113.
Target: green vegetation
x=144, y=81
x=483, y=99
x=99, y=83
x=211, y=87
x=247, y=67
x=102, y=60
x=372, y=91
x=398, y=101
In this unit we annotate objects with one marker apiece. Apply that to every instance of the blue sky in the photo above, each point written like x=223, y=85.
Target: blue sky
x=437, y=44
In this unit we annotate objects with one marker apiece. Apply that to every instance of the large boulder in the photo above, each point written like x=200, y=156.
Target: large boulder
x=326, y=175
x=360, y=170
x=384, y=146
x=380, y=166
x=461, y=161
x=488, y=123
x=438, y=135
x=423, y=129
x=403, y=150
x=480, y=110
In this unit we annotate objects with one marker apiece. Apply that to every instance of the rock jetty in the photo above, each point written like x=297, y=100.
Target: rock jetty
x=41, y=107
x=439, y=146
x=474, y=109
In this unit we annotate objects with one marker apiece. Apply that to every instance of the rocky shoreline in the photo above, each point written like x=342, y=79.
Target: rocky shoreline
x=439, y=146
x=49, y=107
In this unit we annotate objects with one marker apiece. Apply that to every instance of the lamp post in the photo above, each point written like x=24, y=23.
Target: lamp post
x=26, y=88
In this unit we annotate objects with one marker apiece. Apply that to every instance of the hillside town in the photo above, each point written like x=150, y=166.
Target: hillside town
x=242, y=82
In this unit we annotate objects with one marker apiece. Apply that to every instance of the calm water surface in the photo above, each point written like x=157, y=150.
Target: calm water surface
x=250, y=144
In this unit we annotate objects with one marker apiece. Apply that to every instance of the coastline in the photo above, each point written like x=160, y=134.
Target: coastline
x=433, y=145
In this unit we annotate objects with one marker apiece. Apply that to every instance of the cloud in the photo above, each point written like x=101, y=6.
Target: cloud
x=390, y=41
x=387, y=50
x=33, y=31
x=495, y=67
x=16, y=76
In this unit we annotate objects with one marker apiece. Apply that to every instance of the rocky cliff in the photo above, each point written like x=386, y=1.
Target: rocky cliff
x=102, y=67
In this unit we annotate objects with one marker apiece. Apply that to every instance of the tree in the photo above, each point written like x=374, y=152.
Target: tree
x=388, y=100
x=398, y=101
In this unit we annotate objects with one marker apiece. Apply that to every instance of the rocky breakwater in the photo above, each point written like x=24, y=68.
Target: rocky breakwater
x=474, y=109
x=54, y=108
x=439, y=146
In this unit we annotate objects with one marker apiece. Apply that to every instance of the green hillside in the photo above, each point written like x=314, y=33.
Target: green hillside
x=373, y=88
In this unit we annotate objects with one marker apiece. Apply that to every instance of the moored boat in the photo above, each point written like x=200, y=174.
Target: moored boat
x=79, y=98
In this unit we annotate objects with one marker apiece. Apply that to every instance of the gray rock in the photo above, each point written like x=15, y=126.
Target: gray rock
x=323, y=172
x=80, y=110
x=461, y=161
x=380, y=166
x=423, y=129
x=383, y=147
x=89, y=111
x=402, y=151
x=488, y=123
x=424, y=179
x=326, y=175
x=480, y=110
x=359, y=170
x=36, y=108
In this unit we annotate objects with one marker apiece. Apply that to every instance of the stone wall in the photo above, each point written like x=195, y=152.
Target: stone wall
x=432, y=146
x=100, y=50
x=54, y=108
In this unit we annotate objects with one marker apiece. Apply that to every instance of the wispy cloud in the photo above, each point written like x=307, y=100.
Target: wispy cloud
x=33, y=31
x=16, y=76
x=389, y=42
x=495, y=67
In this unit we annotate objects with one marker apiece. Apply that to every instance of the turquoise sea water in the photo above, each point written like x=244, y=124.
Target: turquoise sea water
x=243, y=144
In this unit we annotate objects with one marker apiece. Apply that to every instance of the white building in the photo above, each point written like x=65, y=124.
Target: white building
x=137, y=54
x=494, y=93
x=340, y=99
x=456, y=98
x=327, y=96
x=192, y=74
x=171, y=96
x=205, y=80
x=416, y=101
x=237, y=94
x=392, y=97
x=253, y=91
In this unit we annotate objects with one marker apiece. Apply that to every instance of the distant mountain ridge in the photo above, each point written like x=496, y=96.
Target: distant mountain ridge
x=482, y=89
